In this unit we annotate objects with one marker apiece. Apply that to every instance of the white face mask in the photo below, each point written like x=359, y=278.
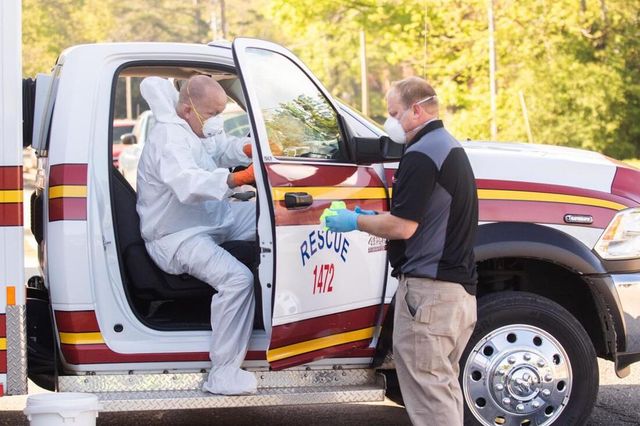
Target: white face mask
x=212, y=126
x=394, y=129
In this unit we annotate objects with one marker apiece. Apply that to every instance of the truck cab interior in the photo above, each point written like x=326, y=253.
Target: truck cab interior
x=160, y=300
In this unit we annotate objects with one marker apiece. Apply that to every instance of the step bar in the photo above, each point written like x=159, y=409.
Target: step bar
x=168, y=391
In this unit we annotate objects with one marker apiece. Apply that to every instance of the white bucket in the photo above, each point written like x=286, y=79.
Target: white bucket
x=62, y=408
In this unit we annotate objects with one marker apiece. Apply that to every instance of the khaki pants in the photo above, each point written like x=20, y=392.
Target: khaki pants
x=432, y=324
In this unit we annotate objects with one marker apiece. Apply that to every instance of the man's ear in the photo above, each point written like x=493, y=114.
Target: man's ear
x=184, y=110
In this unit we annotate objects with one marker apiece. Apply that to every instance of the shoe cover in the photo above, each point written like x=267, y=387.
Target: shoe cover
x=231, y=381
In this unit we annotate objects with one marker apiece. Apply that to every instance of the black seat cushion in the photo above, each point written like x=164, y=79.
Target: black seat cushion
x=143, y=277
x=151, y=283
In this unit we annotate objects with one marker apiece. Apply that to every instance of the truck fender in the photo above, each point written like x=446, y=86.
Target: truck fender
x=512, y=239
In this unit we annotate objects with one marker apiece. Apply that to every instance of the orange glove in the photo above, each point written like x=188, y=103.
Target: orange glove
x=243, y=177
x=247, y=150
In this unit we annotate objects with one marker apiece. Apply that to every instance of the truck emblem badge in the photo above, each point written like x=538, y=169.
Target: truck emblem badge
x=578, y=218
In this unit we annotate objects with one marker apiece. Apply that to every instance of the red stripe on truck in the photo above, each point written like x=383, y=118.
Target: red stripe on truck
x=10, y=177
x=551, y=189
x=11, y=214
x=3, y=334
x=68, y=174
x=77, y=322
x=292, y=174
x=627, y=183
x=101, y=354
x=67, y=209
x=326, y=325
x=359, y=349
x=541, y=212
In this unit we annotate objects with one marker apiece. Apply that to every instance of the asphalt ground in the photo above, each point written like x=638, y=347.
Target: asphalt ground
x=618, y=399
x=618, y=404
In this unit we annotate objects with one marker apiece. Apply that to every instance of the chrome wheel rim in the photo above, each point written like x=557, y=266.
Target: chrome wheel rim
x=517, y=375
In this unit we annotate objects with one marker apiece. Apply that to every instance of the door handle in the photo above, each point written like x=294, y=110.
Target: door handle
x=297, y=200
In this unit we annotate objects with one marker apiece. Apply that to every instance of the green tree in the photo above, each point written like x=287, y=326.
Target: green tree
x=576, y=62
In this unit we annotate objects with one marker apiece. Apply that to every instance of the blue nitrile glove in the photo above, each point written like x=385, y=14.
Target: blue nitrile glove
x=344, y=221
x=365, y=212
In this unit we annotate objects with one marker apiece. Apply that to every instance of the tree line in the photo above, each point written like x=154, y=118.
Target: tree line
x=572, y=67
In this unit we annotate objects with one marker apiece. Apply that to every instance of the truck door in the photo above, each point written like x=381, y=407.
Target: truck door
x=327, y=287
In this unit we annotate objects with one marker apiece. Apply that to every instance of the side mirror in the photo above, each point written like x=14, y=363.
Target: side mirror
x=377, y=150
x=128, y=139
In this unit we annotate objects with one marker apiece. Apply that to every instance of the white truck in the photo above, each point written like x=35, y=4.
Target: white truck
x=558, y=250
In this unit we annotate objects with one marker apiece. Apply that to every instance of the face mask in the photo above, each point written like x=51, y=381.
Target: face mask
x=394, y=129
x=213, y=126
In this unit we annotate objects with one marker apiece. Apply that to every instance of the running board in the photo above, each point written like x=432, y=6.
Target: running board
x=141, y=392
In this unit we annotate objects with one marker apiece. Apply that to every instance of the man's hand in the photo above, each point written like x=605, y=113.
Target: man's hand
x=344, y=221
x=248, y=151
x=243, y=177
x=365, y=212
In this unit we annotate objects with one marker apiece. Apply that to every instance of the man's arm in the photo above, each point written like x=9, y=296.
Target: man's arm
x=231, y=152
x=387, y=226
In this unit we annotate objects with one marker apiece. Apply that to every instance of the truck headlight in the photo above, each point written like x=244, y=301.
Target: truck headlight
x=621, y=239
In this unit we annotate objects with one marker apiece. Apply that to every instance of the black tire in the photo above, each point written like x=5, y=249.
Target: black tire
x=534, y=313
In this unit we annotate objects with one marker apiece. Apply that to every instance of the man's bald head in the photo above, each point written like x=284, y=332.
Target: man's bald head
x=201, y=87
x=200, y=99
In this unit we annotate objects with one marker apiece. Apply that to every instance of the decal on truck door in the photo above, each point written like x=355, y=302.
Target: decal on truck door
x=320, y=270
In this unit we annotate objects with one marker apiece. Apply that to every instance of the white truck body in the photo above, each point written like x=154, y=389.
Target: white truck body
x=103, y=318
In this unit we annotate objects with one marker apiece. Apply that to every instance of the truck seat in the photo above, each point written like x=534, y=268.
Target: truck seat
x=143, y=279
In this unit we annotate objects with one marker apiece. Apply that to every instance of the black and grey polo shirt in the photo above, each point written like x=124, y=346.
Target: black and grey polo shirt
x=434, y=186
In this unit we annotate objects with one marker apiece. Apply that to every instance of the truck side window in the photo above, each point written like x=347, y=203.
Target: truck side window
x=300, y=121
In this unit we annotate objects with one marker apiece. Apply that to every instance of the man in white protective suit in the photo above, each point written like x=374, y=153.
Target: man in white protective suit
x=183, y=182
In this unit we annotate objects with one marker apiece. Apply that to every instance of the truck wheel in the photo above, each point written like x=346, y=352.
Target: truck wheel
x=528, y=362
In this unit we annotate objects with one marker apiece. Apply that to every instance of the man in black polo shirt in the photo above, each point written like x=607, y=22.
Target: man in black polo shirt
x=431, y=231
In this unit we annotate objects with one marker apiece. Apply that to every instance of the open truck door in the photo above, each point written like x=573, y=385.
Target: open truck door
x=328, y=295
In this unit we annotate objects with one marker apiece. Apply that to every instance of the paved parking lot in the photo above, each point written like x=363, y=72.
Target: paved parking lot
x=618, y=404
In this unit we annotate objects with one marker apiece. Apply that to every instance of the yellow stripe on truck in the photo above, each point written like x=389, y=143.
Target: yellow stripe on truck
x=497, y=194
x=11, y=196
x=332, y=192
x=81, y=338
x=3, y=343
x=319, y=343
x=509, y=195
x=73, y=191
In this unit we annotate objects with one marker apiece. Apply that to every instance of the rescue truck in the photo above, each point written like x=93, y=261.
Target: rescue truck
x=558, y=250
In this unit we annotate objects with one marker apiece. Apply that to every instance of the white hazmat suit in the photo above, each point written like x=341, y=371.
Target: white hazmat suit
x=182, y=185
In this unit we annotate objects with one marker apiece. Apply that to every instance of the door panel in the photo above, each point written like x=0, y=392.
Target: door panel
x=328, y=287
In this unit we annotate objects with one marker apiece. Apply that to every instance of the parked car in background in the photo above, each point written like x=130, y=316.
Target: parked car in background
x=132, y=144
x=121, y=126
x=236, y=124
